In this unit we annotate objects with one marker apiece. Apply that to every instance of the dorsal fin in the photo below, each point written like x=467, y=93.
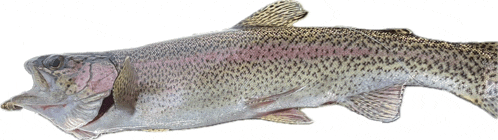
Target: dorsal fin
x=124, y=88
x=402, y=31
x=281, y=13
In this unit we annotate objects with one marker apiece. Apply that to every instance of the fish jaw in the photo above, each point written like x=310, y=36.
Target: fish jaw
x=68, y=90
x=68, y=114
x=58, y=113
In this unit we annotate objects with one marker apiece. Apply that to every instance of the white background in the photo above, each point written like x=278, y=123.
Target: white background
x=29, y=29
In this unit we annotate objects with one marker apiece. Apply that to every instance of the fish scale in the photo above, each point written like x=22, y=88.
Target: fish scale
x=274, y=60
x=239, y=72
x=216, y=70
x=262, y=68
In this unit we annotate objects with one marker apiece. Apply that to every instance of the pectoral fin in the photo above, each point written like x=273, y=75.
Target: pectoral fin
x=288, y=116
x=380, y=105
x=124, y=88
x=281, y=13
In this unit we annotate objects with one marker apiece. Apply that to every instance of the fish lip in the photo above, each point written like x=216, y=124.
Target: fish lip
x=11, y=106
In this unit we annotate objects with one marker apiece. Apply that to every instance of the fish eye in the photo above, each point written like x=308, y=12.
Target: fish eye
x=53, y=61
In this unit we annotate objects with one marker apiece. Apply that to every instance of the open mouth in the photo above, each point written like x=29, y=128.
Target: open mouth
x=71, y=97
x=78, y=132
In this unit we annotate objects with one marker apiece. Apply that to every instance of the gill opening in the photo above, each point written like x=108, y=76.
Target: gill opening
x=107, y=103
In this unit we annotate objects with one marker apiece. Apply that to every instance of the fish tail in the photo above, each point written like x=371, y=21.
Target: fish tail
x=488, y=97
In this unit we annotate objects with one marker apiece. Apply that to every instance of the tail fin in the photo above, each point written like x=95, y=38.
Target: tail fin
x=489, y=97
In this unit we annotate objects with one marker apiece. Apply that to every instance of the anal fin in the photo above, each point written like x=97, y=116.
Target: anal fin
x=379, y=105
x=288, y=116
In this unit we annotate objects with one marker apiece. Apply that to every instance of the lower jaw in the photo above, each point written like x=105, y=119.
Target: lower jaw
x=10, y=106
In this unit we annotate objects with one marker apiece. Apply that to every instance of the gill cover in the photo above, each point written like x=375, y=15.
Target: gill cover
x=68, y=89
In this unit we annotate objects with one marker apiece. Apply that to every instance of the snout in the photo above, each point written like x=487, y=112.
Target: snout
x=34, y=62
x=17, y=102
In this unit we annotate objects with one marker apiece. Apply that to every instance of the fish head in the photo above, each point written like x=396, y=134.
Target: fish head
x=68, y=89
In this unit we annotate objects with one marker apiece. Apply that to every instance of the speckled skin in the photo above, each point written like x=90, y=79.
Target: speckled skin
x=208, y=79
x=262, y=68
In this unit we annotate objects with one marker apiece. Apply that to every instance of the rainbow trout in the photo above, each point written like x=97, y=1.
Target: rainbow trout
x=262, y=68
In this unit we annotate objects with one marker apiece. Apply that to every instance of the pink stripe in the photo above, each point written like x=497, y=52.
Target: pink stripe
x=266, y=53
x=284, y=51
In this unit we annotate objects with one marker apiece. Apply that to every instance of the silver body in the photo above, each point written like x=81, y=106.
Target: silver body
x=338, y=132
